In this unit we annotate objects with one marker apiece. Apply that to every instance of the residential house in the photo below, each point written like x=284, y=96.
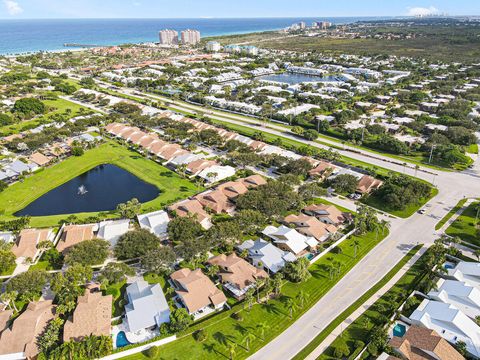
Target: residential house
x=265, y=255
x=74, y=234
x=197, y=292
x=367, y=184
x=463, y=296
x=92, y=316
x=28, y=239
x=469, y=272
x=310, y=226
x=253, y=181
x=216, y=201
x=217, y=173
x=232, y=189
x=20, y=340
x=196, y=167
x=111, y=230
x=420, y=343
x=193, y=208
x=449, y=322
x=5, y=315
x=322, y=170
x=328, y=214
x=288, y=239
x=147, y=306
x=156, y=222
x=236, y=274
x=40, y=159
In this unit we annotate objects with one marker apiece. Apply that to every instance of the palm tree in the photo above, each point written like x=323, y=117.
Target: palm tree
x=356, y=243
x=212, y=270
x=260, y=283
x=247, y=340
x=9, y=298
x=385, y=225
x=263, y=327
x=302, y=297
x=277, y=283
x=249, y=298
x=231, y=350
x=291, y=306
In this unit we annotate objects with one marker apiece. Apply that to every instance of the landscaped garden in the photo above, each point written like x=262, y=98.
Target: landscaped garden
x=466, y=225
x=172, y=187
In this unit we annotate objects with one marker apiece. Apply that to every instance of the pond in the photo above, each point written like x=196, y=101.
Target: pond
x=294, y=78
x=99, y=189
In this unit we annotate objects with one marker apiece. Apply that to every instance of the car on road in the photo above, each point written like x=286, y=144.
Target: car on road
x=422, y=211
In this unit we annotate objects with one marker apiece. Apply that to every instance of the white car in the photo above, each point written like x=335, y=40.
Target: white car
x=422, y=211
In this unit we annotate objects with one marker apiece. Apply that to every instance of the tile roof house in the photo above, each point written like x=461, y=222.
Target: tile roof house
x=232, y=189
x=196, y=291
x=253, y=181
x=193, y=208
x=74, y=234
x=156, y=222
x=21, y=337
x=111, y=230
x=468, y=272
x=28, y=239
x=92, y=316
x=265, y=254
x=147, y=306
x=368, y=184
x=156, y=146
x=322, y=170
x=311, y=226
x=195, y=167
x=420, y=343
x=449, y=322
x=40, y=159
x=290, y=239
x=236, y=274
x=5, y=315
x=463, y=296
x=327, y=214
x=146, y=141
x=216, y=201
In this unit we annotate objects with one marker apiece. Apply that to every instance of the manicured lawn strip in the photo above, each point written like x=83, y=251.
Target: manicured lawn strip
x=222, y=329
x=172, y=187
x=405, y=213
x=376, y=314
x=450, y=214
x=464, y=226
x=335, y=323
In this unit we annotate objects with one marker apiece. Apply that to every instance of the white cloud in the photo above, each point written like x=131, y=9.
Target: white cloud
x=423, y=11
x=13, y=7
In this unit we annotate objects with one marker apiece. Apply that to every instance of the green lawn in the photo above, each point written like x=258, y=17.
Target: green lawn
x=117, y=291
x=465, y=227
x=472, y=149
x=334, y=324
x=405, y=213
x=450, y=213
x=8, y=271
x=172, y=187
x=222, y=329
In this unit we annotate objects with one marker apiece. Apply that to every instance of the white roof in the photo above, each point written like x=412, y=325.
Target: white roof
x=185, y=159
x=221, y=172
x=270, y=256
x=295, y=241
x=7, y=237
x=458, y=293
x=147, y=306
x=155, y=222
x=111, y=230
x=468, y=272
x=449, y=322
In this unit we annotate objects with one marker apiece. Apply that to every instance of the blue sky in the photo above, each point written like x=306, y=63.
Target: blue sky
x=229, y=8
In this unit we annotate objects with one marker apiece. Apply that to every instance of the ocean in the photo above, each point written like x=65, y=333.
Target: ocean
x=24, y=36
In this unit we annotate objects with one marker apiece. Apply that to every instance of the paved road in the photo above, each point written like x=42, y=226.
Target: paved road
x=404, y=234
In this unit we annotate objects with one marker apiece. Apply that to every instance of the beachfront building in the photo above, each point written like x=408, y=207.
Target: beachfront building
x=190, y=37
x=213, y=46
x=168, y=37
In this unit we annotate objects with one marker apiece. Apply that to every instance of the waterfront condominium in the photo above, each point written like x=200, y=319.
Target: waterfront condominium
x=168, y=37
x=190, y=37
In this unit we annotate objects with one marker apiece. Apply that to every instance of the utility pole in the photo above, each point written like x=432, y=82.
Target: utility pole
x=431, y=153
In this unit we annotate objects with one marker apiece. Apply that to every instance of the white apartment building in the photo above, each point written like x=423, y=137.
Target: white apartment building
x=168, y=37
x=213, y=46
x=190, y=37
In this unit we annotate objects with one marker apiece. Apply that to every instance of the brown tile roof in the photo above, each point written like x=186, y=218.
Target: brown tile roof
x=332, y=213
x=310, y=226
x=74, y=234
x=232, y=189
x=4, y=317
x=135, y=138
x=116, y=128
x=253, y=181
x=169, y=151
x=40, y=159
x=199, y=165
x=92, y=316
x=22, y=336
x=216, y=201
x=321, y=168
x=418, y=342
x=190, y=208
x=237, y=271
x=368, y=184
x=196, y=290
x=146, y=141
x=257, y=145
x=129, y=131
x=26, y=246
x=156, y=146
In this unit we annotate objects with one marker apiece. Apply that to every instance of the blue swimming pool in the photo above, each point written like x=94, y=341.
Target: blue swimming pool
x=448, y=266
x=399, y=330
x=309, y=256
x=122, y=340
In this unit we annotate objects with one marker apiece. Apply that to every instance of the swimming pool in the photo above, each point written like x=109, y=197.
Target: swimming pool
x=309, y=256
x=122, y=340
x=399, y=330
x=449, y=266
